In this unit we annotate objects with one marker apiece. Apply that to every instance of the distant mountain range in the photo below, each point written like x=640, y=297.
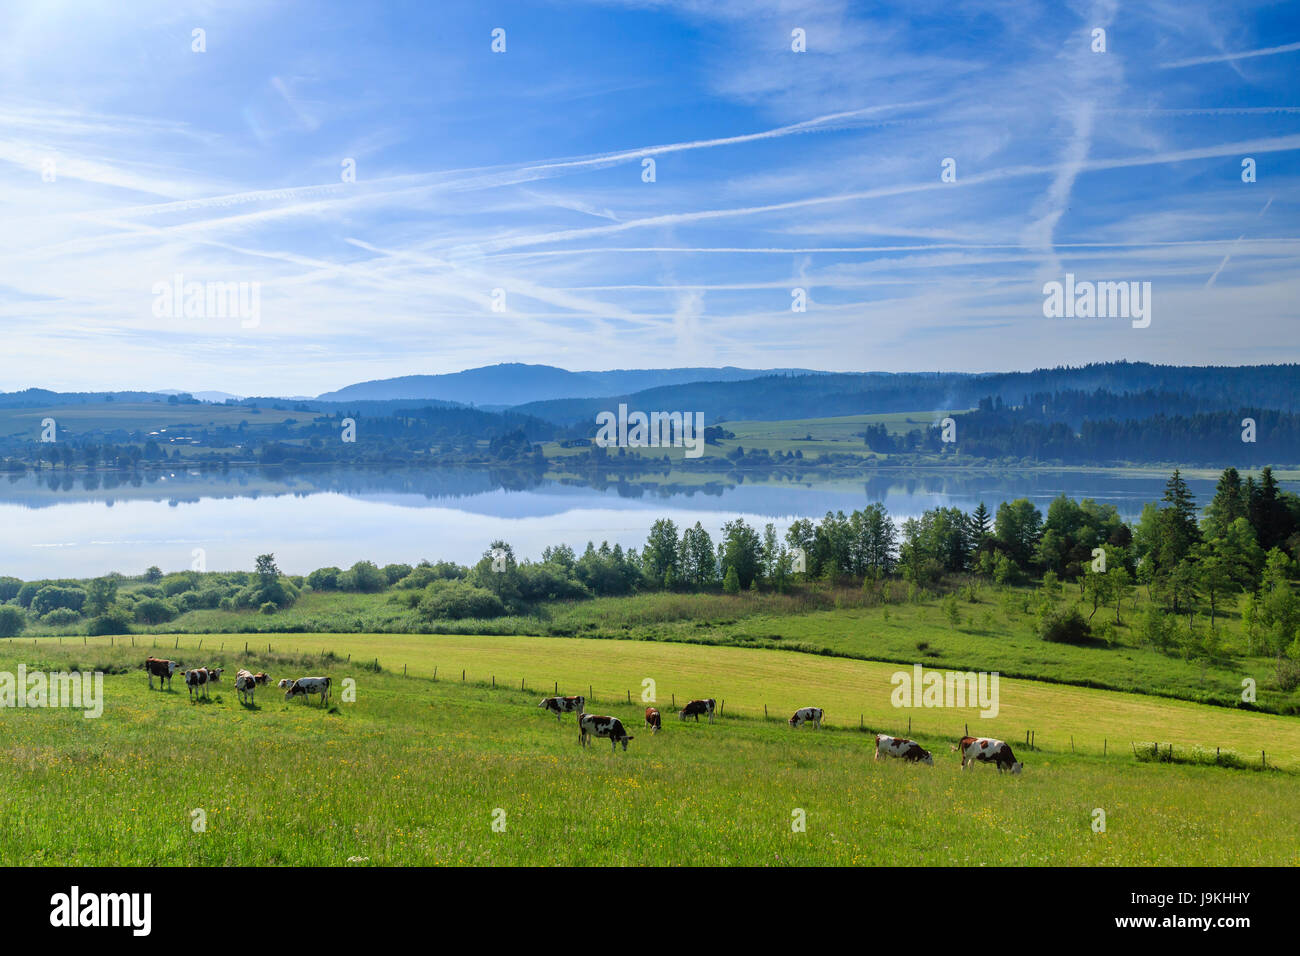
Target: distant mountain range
x=537, y=394
x=505, y=385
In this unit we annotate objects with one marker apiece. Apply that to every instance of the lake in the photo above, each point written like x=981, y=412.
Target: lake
x=80, y=526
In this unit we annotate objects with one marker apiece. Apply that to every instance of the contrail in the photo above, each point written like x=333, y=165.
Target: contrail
x=1224, y=57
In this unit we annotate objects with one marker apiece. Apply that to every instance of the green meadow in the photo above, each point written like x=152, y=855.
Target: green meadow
x=417, y=770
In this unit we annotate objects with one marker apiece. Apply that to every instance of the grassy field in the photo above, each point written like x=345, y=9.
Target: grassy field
x=415, y=770
x=995, y=632
x=812, y=436
x=141, y=416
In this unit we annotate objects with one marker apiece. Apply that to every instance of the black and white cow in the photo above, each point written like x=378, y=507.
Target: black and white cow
x=198, y=679
x=285, y=683
x=564, y=705
x=988, y=750
x=908, y=750
x=309, y=685
x=245, y=684
x=591, y=725
x=807, y=715
x=161, y=668
x=697, y=707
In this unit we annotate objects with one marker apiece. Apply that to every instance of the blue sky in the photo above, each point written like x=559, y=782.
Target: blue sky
x=522, y=171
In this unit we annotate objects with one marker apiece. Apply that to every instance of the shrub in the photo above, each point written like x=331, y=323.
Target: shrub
x=12, y=621
x=174, y=584
x=60, y=617
x=116, y=620
x=1064, y=626
x=154, y=611
x=366, y=577
x=395, y=572
x=324, y=579
x=52, y=596
x=731, y=583
x=27, y=592
x=268, y=608
x=458, y=599
x=9, y=588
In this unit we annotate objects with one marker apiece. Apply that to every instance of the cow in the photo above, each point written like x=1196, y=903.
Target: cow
x=987, y=750
x=198, y=679
x=909, y=750
x=653, y=720
x=564, y=705
x=808, y=715
x=592, y=725
x=245, y=684
x=262, y=679
x=309, y=685
x=285, y=683
x=161, y=668
x=697, y=707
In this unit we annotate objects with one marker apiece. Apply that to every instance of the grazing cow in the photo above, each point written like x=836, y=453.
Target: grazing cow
x=653, y=720
x=198, y=679
x=564, y=705
x=909, y=750
x=262, y=678
x=591, y=725
x=285, y=683
x=988, y=750
x=808, y=715
x=161, y=668
x=697, y=707
x=245, y=684
x=309, y=685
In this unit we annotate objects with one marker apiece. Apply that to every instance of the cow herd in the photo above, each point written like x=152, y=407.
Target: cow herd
x=973, y=749
x=246, y=682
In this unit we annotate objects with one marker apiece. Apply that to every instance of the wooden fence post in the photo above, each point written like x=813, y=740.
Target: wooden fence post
x=765, y=711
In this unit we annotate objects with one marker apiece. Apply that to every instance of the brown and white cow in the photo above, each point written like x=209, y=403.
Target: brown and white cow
x=988, y=750
x=262, y=678
x=908, y=750
x=697, y=707
x=245, y=684
x=198, y=679
x=285, y=683
x=592, y=725
x=564, y=705
x=808, y=715
x=309, y=685
x=161, y=668
x=653, y=720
